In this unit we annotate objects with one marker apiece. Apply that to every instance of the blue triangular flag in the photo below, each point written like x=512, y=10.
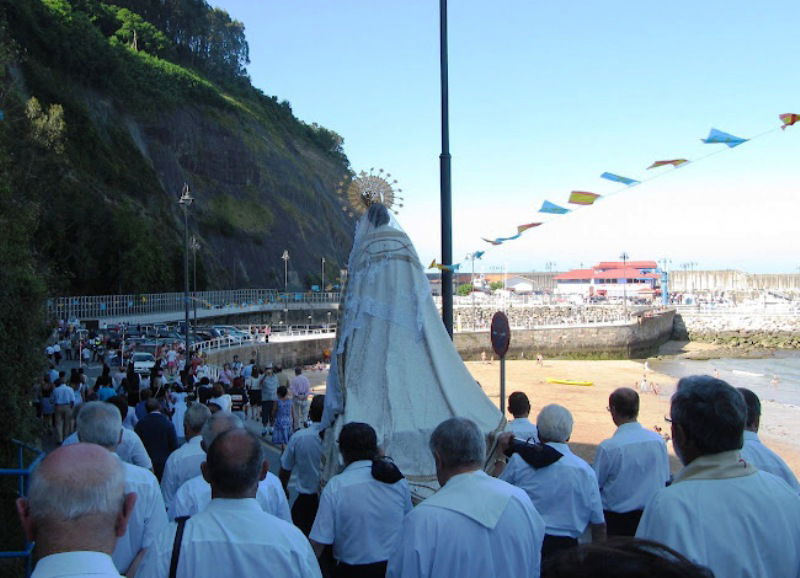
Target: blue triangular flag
x=619, y=179
x=719, y=137
x=548, y=207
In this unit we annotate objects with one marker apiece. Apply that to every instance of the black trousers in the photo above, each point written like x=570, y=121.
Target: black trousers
x=553, y=544
x=266, y=411
x=304, y=510
x=622, y=524
x=374, y=570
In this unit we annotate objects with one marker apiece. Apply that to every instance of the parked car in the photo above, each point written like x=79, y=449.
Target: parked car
x=142, y=362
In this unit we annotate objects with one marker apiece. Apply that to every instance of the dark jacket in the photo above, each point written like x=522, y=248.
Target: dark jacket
x=159, y=439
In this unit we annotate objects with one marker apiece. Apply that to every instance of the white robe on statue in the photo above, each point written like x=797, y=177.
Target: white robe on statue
x=395, y=366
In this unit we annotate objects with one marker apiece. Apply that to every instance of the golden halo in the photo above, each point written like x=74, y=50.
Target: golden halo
x=367, y=188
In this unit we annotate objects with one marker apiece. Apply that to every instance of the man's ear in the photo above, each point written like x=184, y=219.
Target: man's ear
x=125, y=515
x=204, y=471
x=25, y=519
x=264, y=471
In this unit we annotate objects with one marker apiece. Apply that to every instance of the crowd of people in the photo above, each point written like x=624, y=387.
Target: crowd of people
x=197, y=499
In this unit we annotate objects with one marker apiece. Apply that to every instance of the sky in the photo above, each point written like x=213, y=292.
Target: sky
x=546, y=96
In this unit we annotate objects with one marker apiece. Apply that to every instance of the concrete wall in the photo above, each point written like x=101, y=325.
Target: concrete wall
x=288, y=353
x=731, y=280
x=635, y=340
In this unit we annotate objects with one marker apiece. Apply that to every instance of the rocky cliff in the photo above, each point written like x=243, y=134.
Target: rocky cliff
x=103, y=134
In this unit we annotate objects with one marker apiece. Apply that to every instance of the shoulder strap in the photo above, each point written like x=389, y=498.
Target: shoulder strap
x=176, y=546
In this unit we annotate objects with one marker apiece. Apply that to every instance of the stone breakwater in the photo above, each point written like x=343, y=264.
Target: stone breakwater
x=747, y=331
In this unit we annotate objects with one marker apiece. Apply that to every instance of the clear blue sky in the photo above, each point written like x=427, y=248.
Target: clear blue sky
x=544, y=97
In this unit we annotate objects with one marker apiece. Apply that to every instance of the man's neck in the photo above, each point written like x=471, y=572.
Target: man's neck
x=623, y=420
x=447, y=475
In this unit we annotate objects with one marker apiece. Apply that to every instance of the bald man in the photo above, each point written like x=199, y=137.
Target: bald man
x=75, y=511
x=233, y=533
x=631, y=466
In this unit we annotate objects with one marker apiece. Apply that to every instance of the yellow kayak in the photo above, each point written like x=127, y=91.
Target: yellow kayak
x=569, y=381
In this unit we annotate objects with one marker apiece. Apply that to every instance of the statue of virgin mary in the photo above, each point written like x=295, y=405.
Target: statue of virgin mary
x=394, y=365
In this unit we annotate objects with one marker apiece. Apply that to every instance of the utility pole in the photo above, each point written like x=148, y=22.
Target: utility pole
x=322, y=288
x=624, y=258
x=185, y=201
x=285, y=258
x=445, y=185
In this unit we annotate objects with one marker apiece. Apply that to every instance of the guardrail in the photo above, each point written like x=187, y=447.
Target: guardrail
x=101, y=306
x=23, y=474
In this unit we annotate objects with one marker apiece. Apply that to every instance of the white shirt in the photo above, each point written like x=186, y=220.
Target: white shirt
x=63, y=395
x=130, y=420
x=182, y=465
x=631, y=466
x=766, y=460
x=76, y=564
x=565, y=493
x=724, y=514
x=361, y=516
x=233, y=538
x=130, y=449
x=195, y=495
x=149, y=517
x=474, y=526
x=523, y=428
x=302, y=458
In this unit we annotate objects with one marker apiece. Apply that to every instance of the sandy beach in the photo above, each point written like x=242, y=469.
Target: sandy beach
x=588, y=404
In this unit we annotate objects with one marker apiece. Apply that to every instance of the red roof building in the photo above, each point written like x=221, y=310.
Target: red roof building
x=610, y=278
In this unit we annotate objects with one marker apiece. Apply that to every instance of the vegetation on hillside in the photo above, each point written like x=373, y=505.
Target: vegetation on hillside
x=112, y=93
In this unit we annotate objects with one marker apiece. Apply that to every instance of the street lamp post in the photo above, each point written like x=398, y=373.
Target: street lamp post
x=322, y=287
x=185, y=201
x=444, y=179
x=624, y=258
x=285, y=258
x=195, y=247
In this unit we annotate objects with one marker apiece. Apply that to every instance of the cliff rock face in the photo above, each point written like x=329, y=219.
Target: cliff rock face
x=103, y=135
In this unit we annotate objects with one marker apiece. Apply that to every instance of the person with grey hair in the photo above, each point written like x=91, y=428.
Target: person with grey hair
x=100, y=423
x=232, y=535
x=475, y=525
x=631, y=466
x=562, y=486
x=184, y=463
x=361, y=510
x=721, y=511
x=75, y=511
x=194, y=495
x=130, y=449
x=754, y=451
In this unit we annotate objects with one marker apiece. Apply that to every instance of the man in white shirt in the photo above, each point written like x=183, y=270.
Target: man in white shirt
x=563, y=488
x=361, y=509
x=631, y=466
x=184, y=463
x=194, y=495
x=300, y=389
x=130, y=450
x=100, y=423
x=474, y=525
x=63, y=398
x=520, y=407
x=302, y=458
x=233, y=535
x=721, y=511
x=75, y=511
x=755, y=452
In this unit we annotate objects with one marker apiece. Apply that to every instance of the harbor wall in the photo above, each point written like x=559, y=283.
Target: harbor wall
x=749, y=330
x=638, y=339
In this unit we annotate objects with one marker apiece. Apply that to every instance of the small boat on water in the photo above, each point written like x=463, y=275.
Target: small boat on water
x=569, y=381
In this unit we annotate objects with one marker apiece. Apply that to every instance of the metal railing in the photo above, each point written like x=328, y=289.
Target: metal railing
x=102, y=306
x=23, y=475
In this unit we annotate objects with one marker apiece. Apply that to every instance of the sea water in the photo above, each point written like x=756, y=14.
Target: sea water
x=775, y=378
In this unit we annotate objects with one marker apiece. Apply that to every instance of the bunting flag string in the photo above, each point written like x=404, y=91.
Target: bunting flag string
x=585, y=199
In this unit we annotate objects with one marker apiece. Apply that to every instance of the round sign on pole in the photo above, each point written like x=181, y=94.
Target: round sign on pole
x=501, y=334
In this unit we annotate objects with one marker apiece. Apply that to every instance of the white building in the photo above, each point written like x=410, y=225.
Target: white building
x=611, y=279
